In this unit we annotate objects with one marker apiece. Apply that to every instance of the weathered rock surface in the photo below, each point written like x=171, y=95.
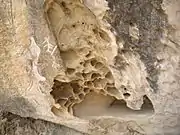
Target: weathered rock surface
x=15, y=125
x=98, y=67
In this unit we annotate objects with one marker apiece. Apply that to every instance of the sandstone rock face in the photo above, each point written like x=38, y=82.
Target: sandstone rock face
x=99, y=67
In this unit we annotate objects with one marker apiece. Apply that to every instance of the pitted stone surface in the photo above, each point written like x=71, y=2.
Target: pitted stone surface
x=99, y=67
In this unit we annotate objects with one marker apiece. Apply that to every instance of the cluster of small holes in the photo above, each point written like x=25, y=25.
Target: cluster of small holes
x=98, y=79
x=126, y=94
x=94, y=76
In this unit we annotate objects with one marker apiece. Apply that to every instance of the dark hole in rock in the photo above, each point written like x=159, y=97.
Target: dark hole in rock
x=123, y=87
x=109, y=76
x=98, y=65
x=88, y=55
x=86, y=90
x=63, y=4
x=81, y=63
x=62, y=101
x=90, y=90
x=89, y=84
x=99, y=83
x=112, y=90
x=70, y=110
x=81, y=96
x=131, y=24
x=72, y=99
x=93, y=62
x=83, y=75
x=147, y=105
x=95, y=75
x=61, y=90
x=126, y=95
x=68, y=103
x=70, y=70
x=102, y=92
x=76, y=88
x=95, y=31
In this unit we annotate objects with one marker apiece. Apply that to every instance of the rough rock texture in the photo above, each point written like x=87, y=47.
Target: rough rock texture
x=96, y=66
x=15, y=125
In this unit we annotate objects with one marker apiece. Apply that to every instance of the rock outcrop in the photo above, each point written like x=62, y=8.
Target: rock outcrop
x=99, y=67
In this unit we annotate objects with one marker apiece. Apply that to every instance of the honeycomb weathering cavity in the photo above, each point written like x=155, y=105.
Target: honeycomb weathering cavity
x=100, y=105
x=86, y=51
